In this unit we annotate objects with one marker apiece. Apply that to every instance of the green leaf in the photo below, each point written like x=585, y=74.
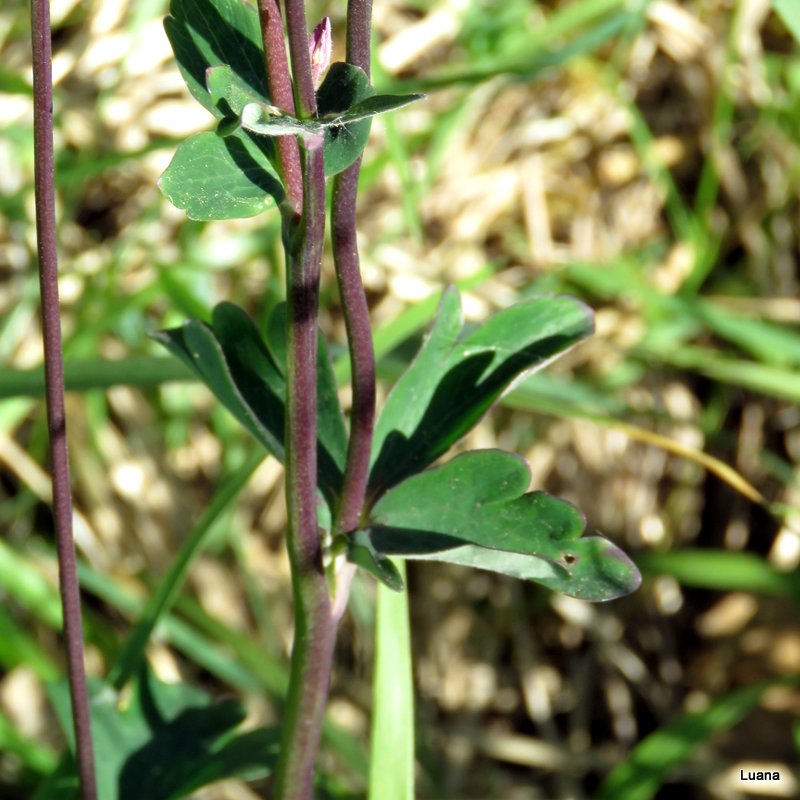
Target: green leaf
x=269, y=121
x=474, y=510
x=344, y=86
x=165, y=740
x=362, y=552
x=455, y=378
x=647, y=767
x=346, y=101
x=371, y=106
x=231, y=358
x=391, y=764
x=209, y=33
x=229, y=93
x=197, y=346
x=215, y=177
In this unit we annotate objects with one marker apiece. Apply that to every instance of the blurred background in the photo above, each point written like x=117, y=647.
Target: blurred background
x=642, y=156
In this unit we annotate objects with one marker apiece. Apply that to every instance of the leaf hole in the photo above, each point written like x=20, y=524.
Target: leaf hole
x=569, y=559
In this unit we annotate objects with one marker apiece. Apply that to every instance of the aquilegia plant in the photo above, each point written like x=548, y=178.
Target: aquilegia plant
x=360, y=493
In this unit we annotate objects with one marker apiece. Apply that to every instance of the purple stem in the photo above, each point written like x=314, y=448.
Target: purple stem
x=359, y=31
x=279, y=83
x=54, y=390
x=359, y=339
x=356, y=312
x=315, y=631
x=305, y=97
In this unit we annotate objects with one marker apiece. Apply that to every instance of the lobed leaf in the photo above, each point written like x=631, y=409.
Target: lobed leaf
x=164, y=742
x=343, y=87
x=456, y=377
x=215, y=177
x=361, y=552
x=209, y=33
x=231, y=358
x=344, y=99
x=267, y=121
x=371, y=106
x=475, y=510
x=230, y=93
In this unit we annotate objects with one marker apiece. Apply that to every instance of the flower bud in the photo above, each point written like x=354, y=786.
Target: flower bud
x=320, y=44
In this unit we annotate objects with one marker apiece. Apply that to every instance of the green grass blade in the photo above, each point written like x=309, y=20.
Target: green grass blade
x=649, y=763
x=143, y=372
x=783, y=383
x=133, y=652
x=21, y=580
x=391, y=768
x=35, y=756
x=723, y=570
x=17, y=647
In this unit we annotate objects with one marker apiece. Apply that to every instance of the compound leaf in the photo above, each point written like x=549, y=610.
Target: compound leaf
x=163, y=742
x=208, y=33
x=343, y=87
x=215, y=177
x=377, y=104
x=229, y=93
x=456, y=377
x=231, y=358
x=475, y=510
x=361, y=552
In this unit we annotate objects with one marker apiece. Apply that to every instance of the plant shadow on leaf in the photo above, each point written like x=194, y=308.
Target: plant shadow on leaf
x=462, y=396
x=202, y=37
x=247, y=375
x=475, y=511
x=344, y=85
x=177, y=746
x=250, y=168
x=162, y=742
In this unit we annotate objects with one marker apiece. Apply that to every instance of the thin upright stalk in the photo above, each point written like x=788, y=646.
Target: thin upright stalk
x=54, y=390
x=359, y=31
x=279, y=84
x=305, y=98
x=356, y=315
x=314, y=630
x=359, y=340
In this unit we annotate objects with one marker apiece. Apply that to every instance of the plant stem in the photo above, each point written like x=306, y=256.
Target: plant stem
x=314, y=629
x=279, y=84
x=356, y=315
x=305, y=98
x=359, y=339
x=315, y=633
x=54, y=391
x=359, y=30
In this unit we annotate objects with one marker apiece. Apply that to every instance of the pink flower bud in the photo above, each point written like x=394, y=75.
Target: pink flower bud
x=320, y=44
